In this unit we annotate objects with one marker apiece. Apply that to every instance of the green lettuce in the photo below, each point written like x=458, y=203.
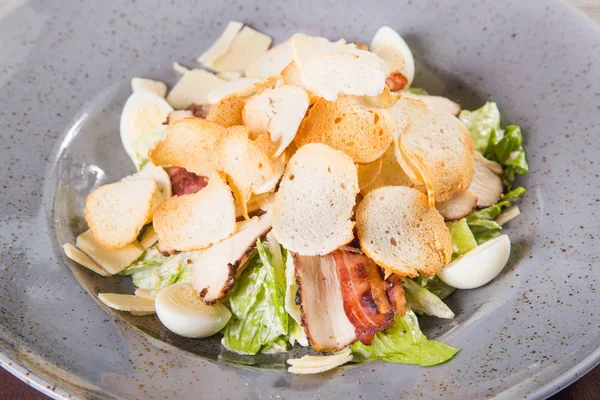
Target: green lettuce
x=503, y=146
x=483, y=124
x=436, y=286
x=463, y=240
x=403, y=343
x=418, y=91
x=296, y=333
x=422, y=301
x=279, y=345
x=257, y=304
x=482, y=222
x=154, y=271
x=142, y=144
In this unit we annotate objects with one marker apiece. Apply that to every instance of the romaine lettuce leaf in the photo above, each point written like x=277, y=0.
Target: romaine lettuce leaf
x=510, y=154
x=403, y=343
x=154, y=271
x=483, y=125
x=463, y=240
x=436, y=286
x=143, y=143
x=422, y=301
x=257, y=303
x=296, y=333
x=481, y=222
x=279, y=345
x=504, y=147
x=418, y=91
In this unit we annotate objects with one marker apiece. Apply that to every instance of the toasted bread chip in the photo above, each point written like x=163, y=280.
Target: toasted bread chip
x=245, y=163
x=117, y=212
x=264, y=142
x=228, y=111
x=348, y=124
x=400, y=232
x=188, y=143
x=279, y=112
x=112, y=261
x=247, y=46
x=403, y=111
x=391, y=173
x=82, y=259
x=291, y=75
x=333, y=75
x=393, y=60
x=440, y=149
x=387, y=99
x=269, y=185
x=158, y=174
x=259, y=86
x=195, y=221
x=332, y=69
x=315, y=200
x=367, y=173
x=192, y=88
x=221, y=45
x=127, y=302
x=435, y=103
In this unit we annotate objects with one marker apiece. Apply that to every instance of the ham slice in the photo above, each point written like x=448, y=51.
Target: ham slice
x=321, y=305
x=364, y=294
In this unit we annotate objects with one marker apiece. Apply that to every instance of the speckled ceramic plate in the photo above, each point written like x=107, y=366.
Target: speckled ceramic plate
x=64, y=74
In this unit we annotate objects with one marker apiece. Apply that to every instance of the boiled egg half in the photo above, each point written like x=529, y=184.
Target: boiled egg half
x=386, y=36
x=143, y=111
x=182, y=311
x=479, y=266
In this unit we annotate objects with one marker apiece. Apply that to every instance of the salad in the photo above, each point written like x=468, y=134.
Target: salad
x=304, y=195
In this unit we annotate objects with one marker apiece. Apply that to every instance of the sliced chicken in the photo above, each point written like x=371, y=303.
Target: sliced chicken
x=485, y=184
x=491, y=165
x=321, y=305
x=215, y=269
x=395, y=293
x=364, y=295
x=459, y=206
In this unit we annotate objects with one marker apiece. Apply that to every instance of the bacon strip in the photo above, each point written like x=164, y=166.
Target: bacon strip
x=364, y=294
x=197, y=110
x=185, y=182
x=395, y=292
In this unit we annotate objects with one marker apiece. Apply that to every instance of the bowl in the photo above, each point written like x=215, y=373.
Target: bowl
x=65, y=77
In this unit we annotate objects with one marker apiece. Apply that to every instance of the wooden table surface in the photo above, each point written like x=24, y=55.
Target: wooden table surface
x=586, y=388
